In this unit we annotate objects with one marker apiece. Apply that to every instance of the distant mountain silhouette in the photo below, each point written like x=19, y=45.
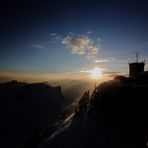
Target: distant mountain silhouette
x=25, y=108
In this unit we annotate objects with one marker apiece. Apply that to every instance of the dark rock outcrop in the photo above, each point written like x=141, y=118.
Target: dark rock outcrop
x=24, y=108
x=122, y=103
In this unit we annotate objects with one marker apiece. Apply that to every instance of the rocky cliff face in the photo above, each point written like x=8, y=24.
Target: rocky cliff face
x=123, y=105
x=117, y=117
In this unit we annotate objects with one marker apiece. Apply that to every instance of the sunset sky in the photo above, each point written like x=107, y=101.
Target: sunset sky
x=68, y=38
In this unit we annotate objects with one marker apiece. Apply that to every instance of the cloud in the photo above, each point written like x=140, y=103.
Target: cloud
x=114, y=73
x=84, y=71
x=90, y=70
x=80, y=44
x=55, y=37
x=117, y=60
x=53, y=34
x=89, y=32
x=101, y=61
x=39, y=46
x=98, y=39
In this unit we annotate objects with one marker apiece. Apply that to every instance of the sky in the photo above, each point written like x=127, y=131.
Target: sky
x=68, y=38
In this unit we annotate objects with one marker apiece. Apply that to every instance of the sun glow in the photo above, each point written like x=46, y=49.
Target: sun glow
x=96, y=73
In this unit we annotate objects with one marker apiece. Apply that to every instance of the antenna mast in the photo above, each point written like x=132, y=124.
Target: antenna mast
x=137, y=56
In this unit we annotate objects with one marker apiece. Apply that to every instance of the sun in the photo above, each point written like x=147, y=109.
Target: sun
x=96, y=73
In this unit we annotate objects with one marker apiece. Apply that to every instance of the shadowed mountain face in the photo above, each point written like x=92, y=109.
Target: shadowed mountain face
x=123, y=105
x=117, y=117
x=26, y=107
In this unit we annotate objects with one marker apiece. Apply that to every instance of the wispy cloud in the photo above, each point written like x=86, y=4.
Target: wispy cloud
x=39, y=46
x=89, y=32
x=90, y=70
x=110, y=73
x=53, y=34
x=56, y=38
x=81, y=44
x=111, y=59
x=101, y=61
x=84, y=71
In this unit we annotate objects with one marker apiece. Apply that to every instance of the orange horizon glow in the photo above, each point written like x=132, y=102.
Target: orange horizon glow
x=89, y=75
